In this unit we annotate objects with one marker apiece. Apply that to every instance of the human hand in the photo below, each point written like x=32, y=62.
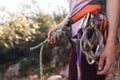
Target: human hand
x=53, y=38
x=107, y=59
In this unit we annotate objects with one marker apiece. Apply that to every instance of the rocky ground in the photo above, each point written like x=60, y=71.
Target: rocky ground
x=61, y=73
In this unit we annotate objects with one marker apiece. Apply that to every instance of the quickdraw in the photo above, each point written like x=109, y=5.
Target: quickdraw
x=94, y=36
x=85, y=42
x=91, y=44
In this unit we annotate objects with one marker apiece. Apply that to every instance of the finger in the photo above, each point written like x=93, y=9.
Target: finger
x=49, y=34
x=54, y=38
x=105, y=69
x=58, y=37
x=51, y=39
x=101, y=62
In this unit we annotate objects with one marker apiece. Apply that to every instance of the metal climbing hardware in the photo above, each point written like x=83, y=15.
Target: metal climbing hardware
x=94, y=36
x=91, y=43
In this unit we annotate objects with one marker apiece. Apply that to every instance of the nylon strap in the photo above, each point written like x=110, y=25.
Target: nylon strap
x=90, y=7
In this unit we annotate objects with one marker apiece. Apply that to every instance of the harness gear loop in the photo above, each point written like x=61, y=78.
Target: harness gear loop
x=93, y=39
x=90, y=7
x=91, y=44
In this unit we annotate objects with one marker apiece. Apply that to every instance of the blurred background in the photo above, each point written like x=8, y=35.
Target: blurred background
x=24, y=24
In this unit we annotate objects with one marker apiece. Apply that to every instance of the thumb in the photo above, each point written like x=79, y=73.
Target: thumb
x=49, y=34
x=101, y=62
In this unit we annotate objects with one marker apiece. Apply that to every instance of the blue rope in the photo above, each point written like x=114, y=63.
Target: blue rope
x=58, y=32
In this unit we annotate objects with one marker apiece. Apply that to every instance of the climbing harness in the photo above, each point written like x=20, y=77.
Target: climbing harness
x=93, y=36
x=87, y=42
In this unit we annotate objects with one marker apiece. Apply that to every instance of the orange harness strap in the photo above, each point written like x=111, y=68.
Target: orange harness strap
x=85, y=10
x=89, y=8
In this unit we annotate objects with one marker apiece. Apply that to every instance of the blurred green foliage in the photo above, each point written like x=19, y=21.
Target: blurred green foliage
x=25, y=28
x=26, y=31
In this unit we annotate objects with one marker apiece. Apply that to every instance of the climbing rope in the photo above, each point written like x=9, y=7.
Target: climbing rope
x=58, y=32
x=91, y=43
